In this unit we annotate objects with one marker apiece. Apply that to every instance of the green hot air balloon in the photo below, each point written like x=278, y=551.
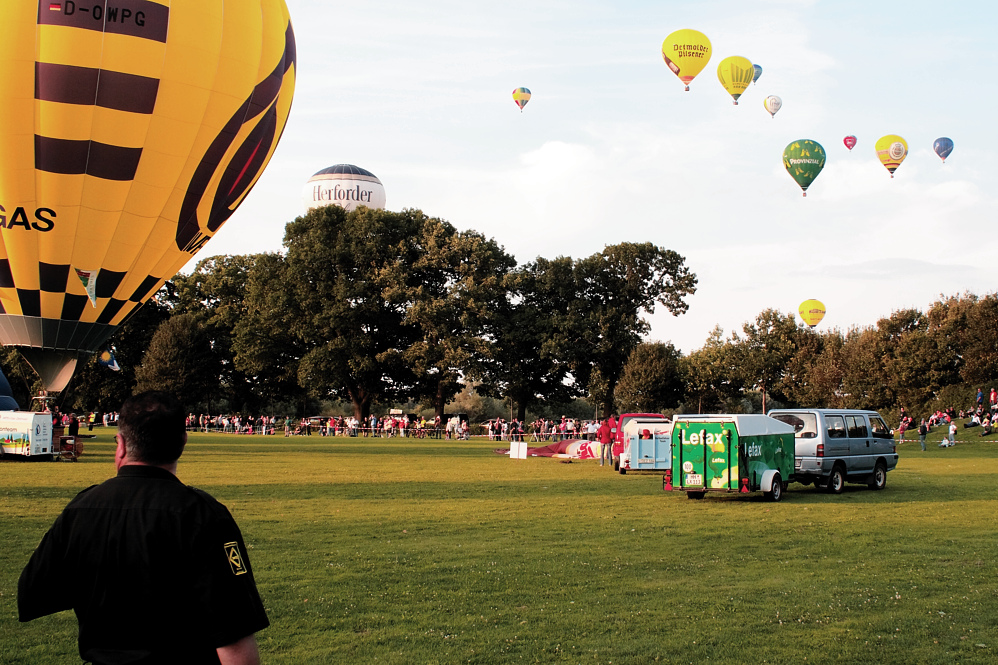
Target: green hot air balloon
x=804, y=160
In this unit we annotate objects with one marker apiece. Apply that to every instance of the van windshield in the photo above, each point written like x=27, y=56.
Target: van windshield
x=805, y=424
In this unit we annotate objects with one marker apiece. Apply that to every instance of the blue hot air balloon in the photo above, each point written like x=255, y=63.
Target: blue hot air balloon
x=943, y=147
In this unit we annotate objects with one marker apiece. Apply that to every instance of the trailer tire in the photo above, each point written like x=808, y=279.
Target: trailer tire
x=623, y=472
x=836, y=480
x=695, y=495
x=878, y=480
x=776, y=493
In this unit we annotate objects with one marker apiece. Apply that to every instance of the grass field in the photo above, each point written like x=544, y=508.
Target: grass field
x=404, y=551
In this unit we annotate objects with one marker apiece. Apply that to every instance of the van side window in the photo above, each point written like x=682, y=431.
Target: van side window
x=836, y=427
x=805, y=424
x=880, y=429
x=857, y=427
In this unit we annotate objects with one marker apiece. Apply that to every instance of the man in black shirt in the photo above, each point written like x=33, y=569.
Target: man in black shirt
x=160, y=573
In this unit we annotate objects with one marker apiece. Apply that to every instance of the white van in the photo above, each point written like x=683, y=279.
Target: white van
x=836, y=446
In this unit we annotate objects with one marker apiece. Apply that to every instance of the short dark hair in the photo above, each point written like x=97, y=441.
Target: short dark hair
x=153, y=427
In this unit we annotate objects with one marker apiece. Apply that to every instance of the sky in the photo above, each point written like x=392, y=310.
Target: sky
x=611, y=149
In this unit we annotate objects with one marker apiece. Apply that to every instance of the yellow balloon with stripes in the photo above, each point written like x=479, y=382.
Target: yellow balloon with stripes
x=735, y=73
x=130, y=132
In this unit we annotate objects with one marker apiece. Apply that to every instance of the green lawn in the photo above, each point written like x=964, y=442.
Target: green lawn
x=404, y=551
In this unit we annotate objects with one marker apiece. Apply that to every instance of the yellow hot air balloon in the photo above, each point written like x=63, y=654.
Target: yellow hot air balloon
x=130, y=132
x=686, y=52
x=812, y=312
x=891, y=150
x=735, y=74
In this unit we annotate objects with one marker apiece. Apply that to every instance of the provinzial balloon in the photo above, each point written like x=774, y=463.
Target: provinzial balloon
x=757, y=74
x=686, y=52
x=850, y=142
x=804, y=160
x=129, y=134
x=735, y=73
x=891, y=150
x=812, y=312
x=772, y=104
x=345, y=185
x=521, y=96
x=943, y=147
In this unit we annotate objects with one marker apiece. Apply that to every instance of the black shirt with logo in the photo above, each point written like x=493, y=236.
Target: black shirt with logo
x=156, y=571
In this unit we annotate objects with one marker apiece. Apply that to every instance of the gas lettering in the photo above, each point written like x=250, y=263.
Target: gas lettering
x=44, y=219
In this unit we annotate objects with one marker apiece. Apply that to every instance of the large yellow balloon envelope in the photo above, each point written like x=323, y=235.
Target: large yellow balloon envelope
x=129, y=133
x=686, y=52
x=891, y=150
x=812, y=312
x=735, y=74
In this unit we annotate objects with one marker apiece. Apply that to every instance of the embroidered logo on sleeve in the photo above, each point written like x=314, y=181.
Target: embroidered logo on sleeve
x=235, y=558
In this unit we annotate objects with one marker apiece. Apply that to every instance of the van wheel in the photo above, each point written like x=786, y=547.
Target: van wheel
x=695, y=495
x=836, y=481
x=776, y=493
x=878, y=480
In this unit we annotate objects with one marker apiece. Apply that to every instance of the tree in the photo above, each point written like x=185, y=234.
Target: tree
x=452, y=294
x=180, y=360
x=613, y=288
x=532, y=334
x=651, y=381
x=769, y=345
x=711, y=374
x=339, y=268
x=216, y=291
x=264, y=349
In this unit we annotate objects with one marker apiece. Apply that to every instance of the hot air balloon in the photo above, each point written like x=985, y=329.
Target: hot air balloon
x=812, y=312
x=521, y=96
x=757, y=74
x=686, y=52
x=943, y=147
x=735, y=73
x=804, y=160
x=891, y=150
x=129, y=134
x=772, y=104
x=850, y=142
x=345, y=185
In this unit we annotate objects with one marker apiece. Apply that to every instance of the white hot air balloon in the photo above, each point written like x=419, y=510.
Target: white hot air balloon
x=345, y=185
x=772, y=104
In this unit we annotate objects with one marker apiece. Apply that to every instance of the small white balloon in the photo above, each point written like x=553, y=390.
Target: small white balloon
x=772, y=104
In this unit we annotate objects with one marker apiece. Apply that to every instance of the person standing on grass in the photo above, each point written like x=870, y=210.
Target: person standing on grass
x=922, y=431
x=952, y=433
x=159, y=572
x=605, y=437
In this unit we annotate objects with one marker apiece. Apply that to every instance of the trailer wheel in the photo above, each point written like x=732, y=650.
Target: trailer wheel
x=836, y=481
x=776, y=493
x=695, y=495
x=623, y=472
x=878, y=480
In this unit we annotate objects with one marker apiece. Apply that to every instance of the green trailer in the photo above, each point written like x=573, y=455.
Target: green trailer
x=730, y=453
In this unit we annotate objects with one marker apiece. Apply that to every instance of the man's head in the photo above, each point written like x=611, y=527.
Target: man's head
x=152, y=426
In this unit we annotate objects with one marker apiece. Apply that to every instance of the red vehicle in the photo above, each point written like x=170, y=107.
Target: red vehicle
x=627, y=422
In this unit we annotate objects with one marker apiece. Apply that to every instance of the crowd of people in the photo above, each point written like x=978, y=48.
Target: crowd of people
x=387, y=426
x=542, y=429
x=983, y=414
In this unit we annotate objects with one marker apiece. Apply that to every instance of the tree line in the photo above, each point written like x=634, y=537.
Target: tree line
x=373, y=309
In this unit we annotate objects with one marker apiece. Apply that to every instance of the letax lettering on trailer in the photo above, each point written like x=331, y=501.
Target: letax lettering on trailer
x=710, y=438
